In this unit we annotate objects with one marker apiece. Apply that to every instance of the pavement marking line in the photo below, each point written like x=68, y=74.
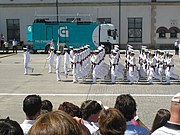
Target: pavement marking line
x=91, y=95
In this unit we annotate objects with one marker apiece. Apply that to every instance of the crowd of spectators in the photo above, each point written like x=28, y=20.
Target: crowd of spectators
x=91, y=118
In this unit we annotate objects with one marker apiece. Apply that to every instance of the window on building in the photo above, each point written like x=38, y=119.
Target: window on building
x=162, y=34
x=162, y=31
x=13, y=29
x=104, y=20
x=134, y=29
x=173, y=32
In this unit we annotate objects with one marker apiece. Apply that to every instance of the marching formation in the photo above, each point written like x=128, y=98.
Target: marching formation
x=84, y=63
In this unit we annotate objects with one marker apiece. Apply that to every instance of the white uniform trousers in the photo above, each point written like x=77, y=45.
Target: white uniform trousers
x=58, y=75
x=131, y=74
x=74, y=72
x=170, y=74
x=151, y=74
x=51, y=66
x=26, y=68
x=113, y=73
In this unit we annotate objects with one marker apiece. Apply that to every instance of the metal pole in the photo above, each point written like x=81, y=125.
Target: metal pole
x=57, y=10
x=120, y=23
x=99, y=34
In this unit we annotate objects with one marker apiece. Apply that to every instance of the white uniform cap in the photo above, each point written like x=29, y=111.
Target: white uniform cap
x=76, y=49
x=130, y=46
x=96, y=51
x=24, y=48
x=117, y=49
x=132, y=52
x=117, y=46
x=65, y=49
x=71, y=47
x=177, y=39
x=170, y=54
x=143, y=47
x=146, y=50
x=58, y=52
x=102, y=45
x=52, y=47
x=130, y=49
x=114, y=51
x=99, y=48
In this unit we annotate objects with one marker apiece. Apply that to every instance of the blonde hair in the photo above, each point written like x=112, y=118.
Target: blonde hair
x=55, y=123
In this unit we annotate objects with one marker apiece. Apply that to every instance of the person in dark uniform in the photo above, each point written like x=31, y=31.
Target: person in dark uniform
x=176, y=45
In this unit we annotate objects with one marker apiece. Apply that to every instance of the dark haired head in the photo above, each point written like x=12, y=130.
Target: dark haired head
x=89, y=108
x=47, y=105
x=127, y=105
x=161, y=119
x=111, y=122
x=71, y=109
x=32, y=105
x=10, y=127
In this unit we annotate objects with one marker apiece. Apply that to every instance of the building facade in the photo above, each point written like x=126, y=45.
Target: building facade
x=155, y=23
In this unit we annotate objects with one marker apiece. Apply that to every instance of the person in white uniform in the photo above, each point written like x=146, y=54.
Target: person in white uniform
x=132, y=67
x=114, y=65
x=66, y=61
x=95, y=64
x=26, y=61
x=50, y=58
x=71, y=53
x=151, y=69
x=75, y=61
x=58, y=65
x=169, y=71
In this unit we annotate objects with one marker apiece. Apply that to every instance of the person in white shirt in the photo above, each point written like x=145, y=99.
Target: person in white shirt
x=58, y=65
x=26, y=61
x=14, y=44
x=90, y=111
x=172, y=127
x=31, y=107
x=51, y=59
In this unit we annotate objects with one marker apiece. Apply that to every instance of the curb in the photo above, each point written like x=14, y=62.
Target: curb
x=7, y=55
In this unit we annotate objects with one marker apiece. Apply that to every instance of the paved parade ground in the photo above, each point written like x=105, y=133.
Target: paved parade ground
x=15, y=86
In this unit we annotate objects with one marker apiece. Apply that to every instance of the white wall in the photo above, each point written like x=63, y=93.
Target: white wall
x=138, y=11
x=26, y=15
x=165, y=16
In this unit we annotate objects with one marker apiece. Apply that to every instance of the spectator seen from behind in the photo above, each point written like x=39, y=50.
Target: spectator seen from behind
x=70, y=109
x=90, y=111
x=127, y=105
x=111, y=122
x=31, y=107
x=172, y=127
x=161, y=118
x=55, y=123
x=46, y=106
x=10, y=127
